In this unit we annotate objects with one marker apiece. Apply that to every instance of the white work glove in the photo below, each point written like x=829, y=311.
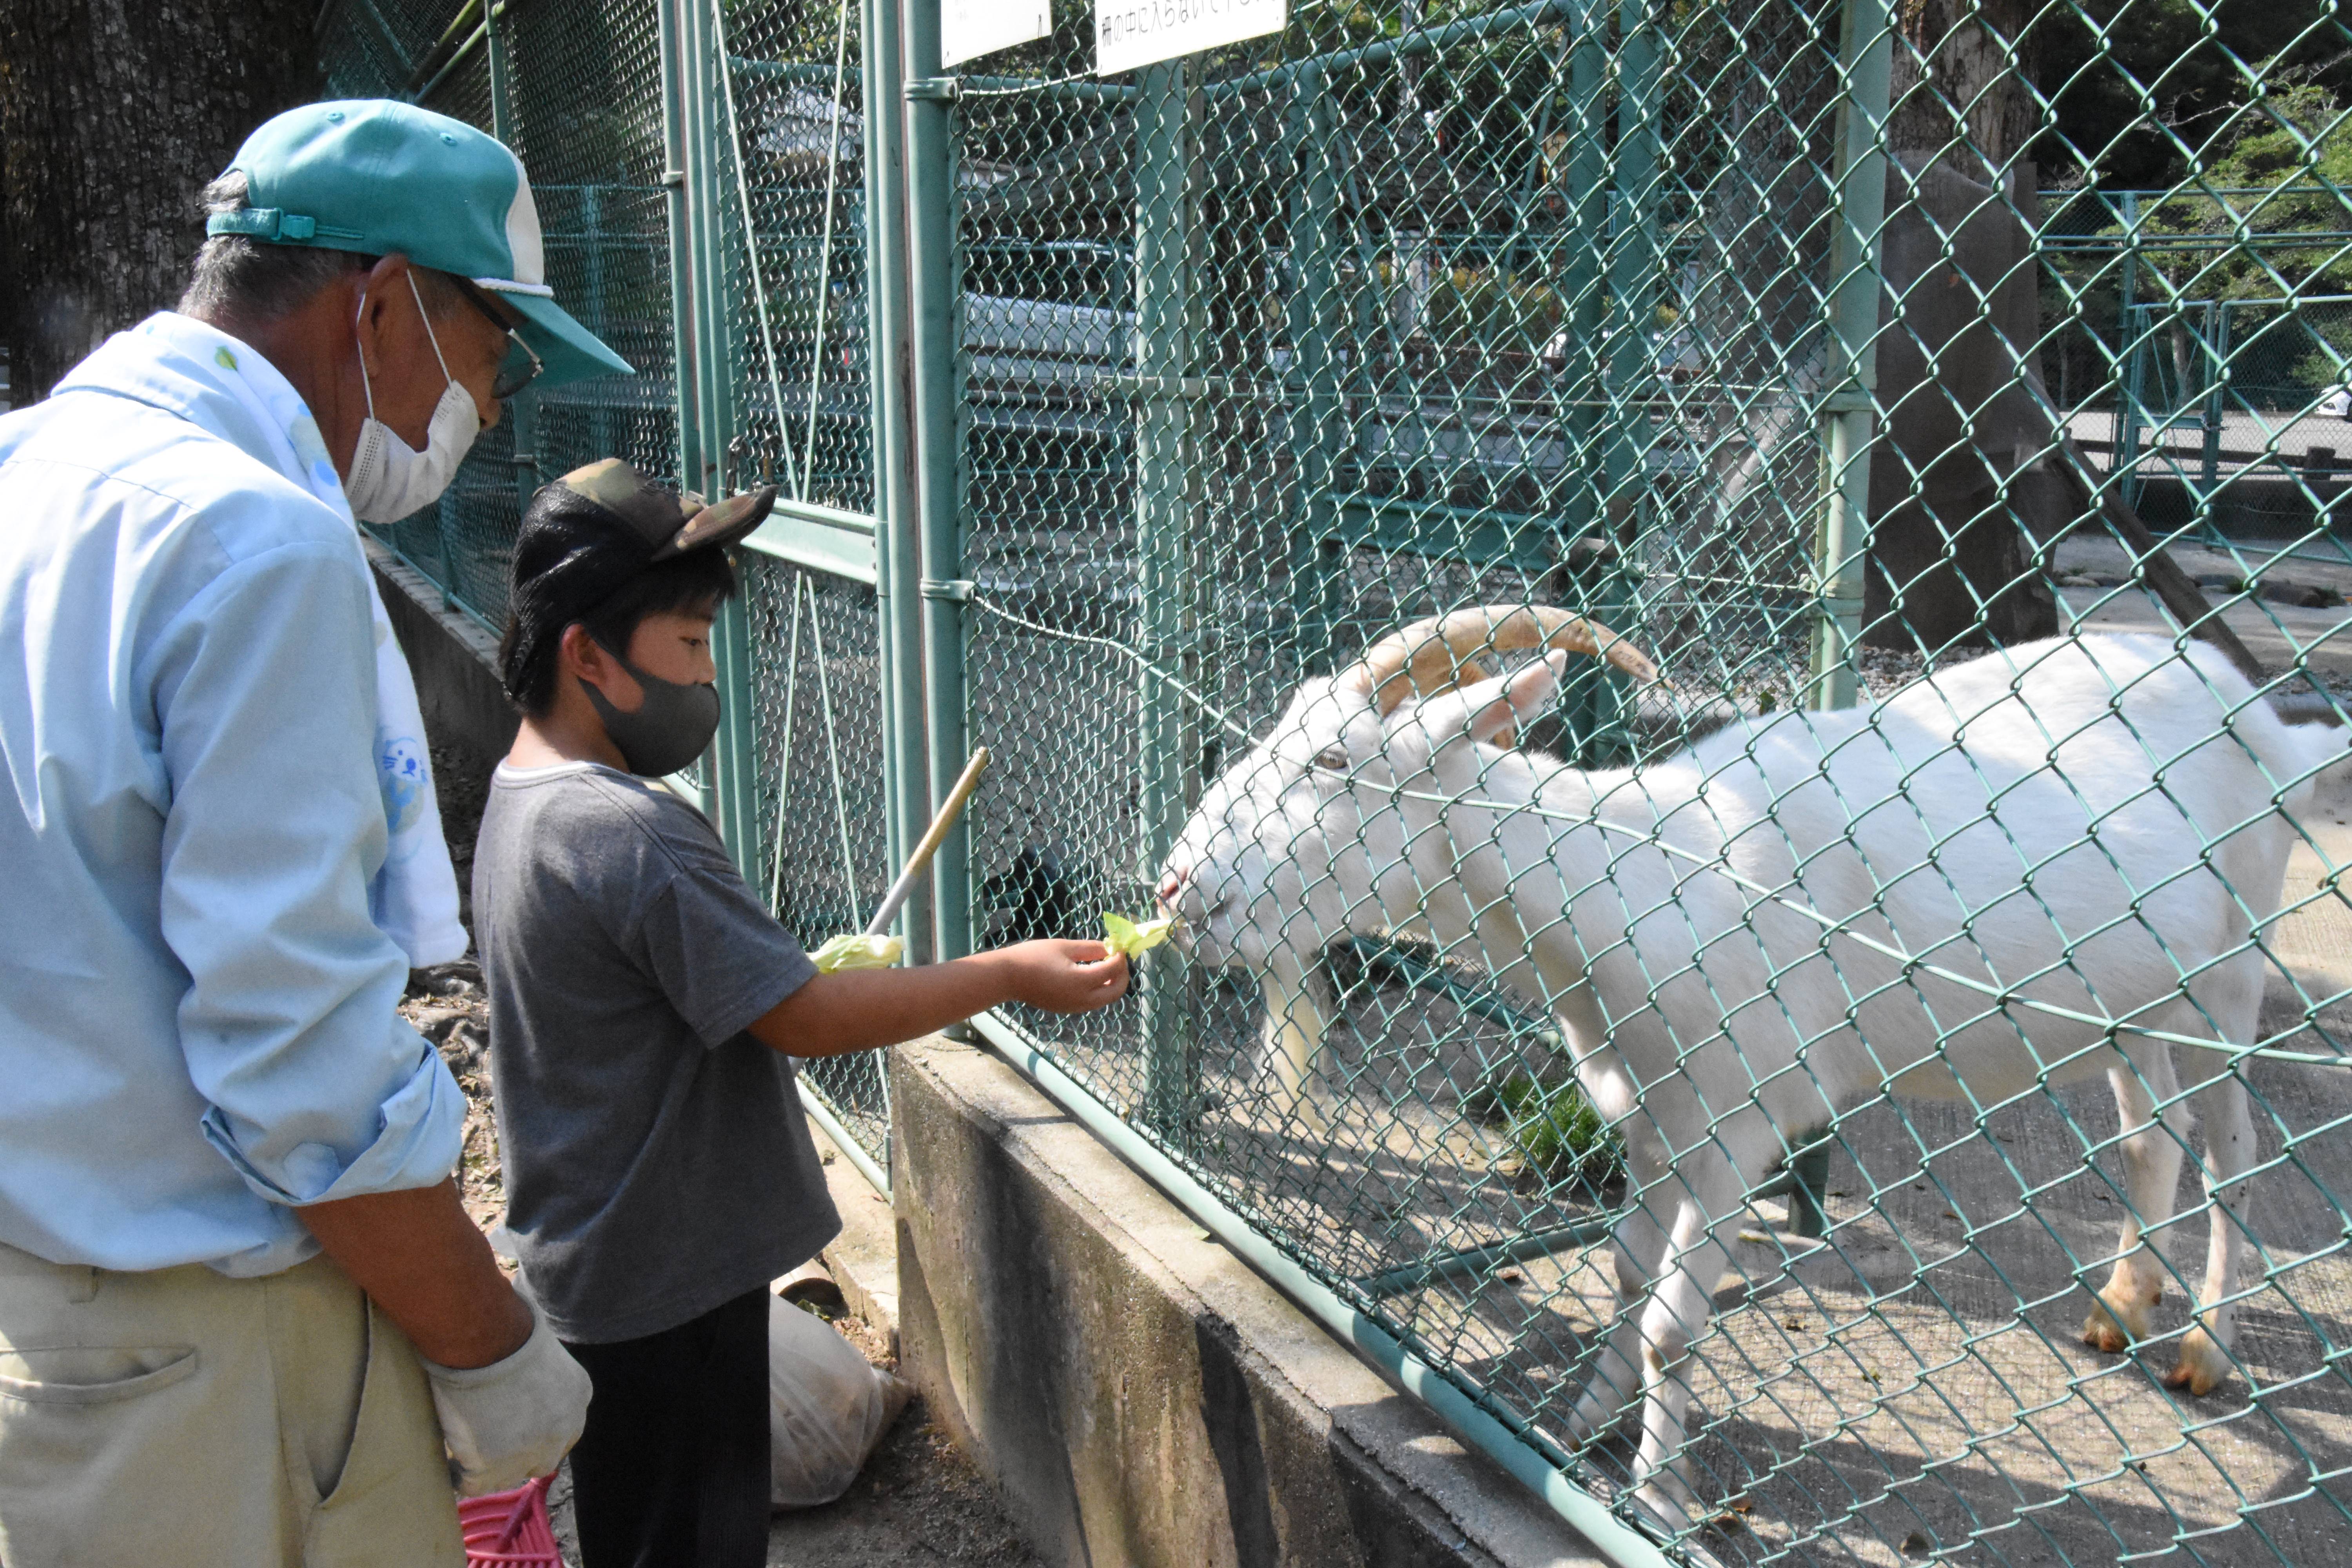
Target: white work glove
x=512, y=1419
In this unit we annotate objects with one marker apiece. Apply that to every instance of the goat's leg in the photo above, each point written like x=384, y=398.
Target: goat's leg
x=1678, y=1311
x=2126, y=1309
x=1299, y=1003
x=1638, y=1251
x=2227, y=1121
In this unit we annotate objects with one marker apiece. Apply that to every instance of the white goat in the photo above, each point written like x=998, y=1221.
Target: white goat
x=2082, y=827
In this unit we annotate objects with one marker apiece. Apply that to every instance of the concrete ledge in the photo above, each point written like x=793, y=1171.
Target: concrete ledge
x=454, y=661
x=1139, y=1393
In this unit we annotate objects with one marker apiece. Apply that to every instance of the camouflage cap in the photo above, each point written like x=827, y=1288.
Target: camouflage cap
x=668, y=522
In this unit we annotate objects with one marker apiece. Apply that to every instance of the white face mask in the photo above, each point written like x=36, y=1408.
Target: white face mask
x=390, y=479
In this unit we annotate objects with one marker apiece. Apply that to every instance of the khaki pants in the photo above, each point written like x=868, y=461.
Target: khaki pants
x=182, y=1419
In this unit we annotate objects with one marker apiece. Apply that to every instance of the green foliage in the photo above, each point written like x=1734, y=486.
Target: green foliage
x=1554, y=1127
x=2139, y=90
x=2291, y=151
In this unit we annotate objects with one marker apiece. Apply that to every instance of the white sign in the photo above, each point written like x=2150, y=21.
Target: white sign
x=970, y=28
x=1131, y=33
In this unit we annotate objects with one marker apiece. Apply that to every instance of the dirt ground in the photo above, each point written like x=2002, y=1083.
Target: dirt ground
x=920, y=1501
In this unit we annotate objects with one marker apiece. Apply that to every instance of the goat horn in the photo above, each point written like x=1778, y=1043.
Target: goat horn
x=1428, y=655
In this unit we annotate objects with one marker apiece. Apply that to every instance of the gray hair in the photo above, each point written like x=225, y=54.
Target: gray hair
x=239, y=277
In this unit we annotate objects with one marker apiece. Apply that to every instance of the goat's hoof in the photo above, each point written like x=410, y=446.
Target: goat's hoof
x=1595, y=1417
x=2101, y=1332
x=1671, y=1504
x=2203, y=1366
x=2118, y=1317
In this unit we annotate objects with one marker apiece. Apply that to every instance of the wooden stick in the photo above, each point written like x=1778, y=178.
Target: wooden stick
x=950, y=809
x=2174, y=587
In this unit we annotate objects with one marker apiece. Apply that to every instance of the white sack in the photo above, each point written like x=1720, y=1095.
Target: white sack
x=827, y=1407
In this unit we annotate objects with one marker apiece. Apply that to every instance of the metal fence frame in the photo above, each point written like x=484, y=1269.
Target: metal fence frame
x=910, y=550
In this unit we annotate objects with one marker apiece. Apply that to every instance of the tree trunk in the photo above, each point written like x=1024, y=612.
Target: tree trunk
x=1960, y=73
x=1956, y=499
x=113, y=114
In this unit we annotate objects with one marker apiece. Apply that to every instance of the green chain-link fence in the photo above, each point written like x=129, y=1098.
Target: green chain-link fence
x=1840, y=1015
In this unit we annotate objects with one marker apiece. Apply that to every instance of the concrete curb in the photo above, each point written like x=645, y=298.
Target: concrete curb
x=455, y=660
x=1137, y=1392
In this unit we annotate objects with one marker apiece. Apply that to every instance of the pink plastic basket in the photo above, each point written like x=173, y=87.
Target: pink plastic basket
x=509, y=1530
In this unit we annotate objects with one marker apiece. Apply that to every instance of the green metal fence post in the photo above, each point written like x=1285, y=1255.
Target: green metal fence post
x=1865, y=58
x=2215, y=358
x=2126, y=434
x=1167, y=481
x=1633, y=251
x=683, y=351
x=1595, y=701
x=1585, y=184
x=897, y=554
x=732, y=777
x=930, y=241
x=1316, y=429
x=523, y=412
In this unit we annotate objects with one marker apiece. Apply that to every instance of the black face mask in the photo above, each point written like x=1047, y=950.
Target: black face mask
x=670, y=727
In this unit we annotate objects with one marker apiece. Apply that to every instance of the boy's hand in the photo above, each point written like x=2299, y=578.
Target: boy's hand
x=1065, y=976
x=859, y=1009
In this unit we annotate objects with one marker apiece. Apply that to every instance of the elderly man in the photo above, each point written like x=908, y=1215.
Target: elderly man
x=243, y=1320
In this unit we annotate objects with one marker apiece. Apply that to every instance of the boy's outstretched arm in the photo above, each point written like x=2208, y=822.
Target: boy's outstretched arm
x=859, y=1009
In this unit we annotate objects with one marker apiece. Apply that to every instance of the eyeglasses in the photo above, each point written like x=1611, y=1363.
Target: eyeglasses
x=521, y=366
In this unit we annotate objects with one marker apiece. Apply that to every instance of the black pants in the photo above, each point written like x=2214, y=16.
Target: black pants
x=672, y=1470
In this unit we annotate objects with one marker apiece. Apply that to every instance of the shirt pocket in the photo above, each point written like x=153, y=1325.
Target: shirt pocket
x=92, y=1374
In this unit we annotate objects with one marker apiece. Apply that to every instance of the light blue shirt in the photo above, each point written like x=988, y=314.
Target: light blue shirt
x=197, y=1023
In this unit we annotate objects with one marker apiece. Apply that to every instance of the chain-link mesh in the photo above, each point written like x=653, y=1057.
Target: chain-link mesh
x=382, y=48
x=583, y=110
x=1417, y=307
x=587, y=123
x=816, y=690
x=583, y=106
x=1819, y=350
x=796, y=175
x=792, y=187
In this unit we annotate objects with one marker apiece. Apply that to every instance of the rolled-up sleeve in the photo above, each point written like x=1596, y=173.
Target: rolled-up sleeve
x=264, y=694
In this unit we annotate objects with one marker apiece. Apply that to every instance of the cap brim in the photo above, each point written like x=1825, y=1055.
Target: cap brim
x=722, y=523
x=570, y=350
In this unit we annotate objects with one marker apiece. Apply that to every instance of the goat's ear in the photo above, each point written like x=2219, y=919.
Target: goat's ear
x=1502, y=705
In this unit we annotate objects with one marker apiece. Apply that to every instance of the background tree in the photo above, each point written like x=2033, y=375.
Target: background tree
x=112, y=114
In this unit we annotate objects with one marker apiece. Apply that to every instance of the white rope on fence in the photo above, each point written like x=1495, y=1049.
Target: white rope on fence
x=751, y=245
x=825, y=249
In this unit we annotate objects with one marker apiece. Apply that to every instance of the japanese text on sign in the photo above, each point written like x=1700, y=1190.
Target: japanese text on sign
x=1132, y=33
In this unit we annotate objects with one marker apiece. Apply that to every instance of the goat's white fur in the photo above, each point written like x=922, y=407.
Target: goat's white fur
x=2034, y=794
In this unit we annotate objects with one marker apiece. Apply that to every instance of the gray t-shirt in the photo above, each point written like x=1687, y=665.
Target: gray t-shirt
x=657, y=1161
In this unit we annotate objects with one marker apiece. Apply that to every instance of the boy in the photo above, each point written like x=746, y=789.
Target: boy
x=643, y=1005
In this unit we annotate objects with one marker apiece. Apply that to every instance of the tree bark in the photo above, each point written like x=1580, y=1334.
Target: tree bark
x=1961, y=71
x=1956, y=496
x=113, y=114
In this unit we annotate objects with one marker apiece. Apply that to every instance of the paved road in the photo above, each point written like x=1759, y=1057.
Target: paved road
x=2275, y=633
x=2293, y=437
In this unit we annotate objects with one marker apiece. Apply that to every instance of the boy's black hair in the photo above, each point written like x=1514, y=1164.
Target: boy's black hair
x=695, y=584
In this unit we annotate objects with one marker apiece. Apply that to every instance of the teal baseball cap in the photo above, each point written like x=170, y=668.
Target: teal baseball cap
x=375, y=176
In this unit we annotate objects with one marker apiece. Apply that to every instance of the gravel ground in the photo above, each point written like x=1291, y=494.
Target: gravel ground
x=919, y=1501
